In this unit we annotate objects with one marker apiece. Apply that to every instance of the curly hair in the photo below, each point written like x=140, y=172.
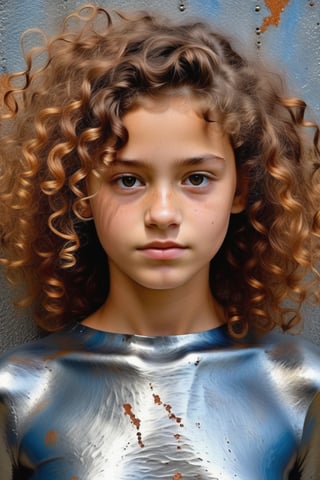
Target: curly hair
x=62, y=120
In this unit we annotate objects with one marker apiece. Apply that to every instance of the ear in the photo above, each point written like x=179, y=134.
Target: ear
x=240, y=196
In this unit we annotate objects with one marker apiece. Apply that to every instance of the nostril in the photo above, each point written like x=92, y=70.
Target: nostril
x=162, y=216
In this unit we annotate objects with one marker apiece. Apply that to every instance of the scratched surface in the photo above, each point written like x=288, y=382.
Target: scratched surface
x=287, y=32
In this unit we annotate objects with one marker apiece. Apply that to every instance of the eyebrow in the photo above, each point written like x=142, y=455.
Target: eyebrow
x=125, y=162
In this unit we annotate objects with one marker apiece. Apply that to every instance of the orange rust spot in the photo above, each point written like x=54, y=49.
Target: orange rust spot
x=128, y=411
x=177, y=436
x=157, y=399
x=135, y=421
x=140, y=442
x=51, y=438
x=171, y=415
x=74, y=478
x=167, y=407
x=276, y=7
x=177, y=476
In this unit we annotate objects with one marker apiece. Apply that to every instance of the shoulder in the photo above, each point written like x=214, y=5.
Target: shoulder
x=291, y=351
x=293, y=364
x=28, y=373
x=23, y=367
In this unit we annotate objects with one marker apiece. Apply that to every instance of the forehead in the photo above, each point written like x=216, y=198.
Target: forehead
x=182, y=112
x=171, y=129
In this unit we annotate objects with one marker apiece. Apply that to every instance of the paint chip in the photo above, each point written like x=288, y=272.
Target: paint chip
x=276, y=8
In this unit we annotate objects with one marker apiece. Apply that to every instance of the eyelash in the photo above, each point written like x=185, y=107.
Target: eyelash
x=133, y=179
x=202, y=176
x=122, y=178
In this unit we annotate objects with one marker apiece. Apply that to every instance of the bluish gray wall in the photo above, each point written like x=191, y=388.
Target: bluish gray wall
x=285, y=31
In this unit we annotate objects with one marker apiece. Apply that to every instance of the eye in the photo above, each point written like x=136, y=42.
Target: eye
x=128, y=181
x=197, y=180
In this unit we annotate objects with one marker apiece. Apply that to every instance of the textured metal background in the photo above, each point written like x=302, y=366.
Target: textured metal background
x=284, y=31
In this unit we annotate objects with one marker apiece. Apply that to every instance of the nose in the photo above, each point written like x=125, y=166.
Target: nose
x=163, y=209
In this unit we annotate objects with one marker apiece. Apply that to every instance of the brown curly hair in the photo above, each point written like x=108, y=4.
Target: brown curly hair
x=62, y=119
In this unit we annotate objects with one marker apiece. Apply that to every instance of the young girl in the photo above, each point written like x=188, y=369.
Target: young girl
x=160, y=201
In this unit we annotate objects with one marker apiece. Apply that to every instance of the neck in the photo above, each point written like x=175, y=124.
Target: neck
x=133, y=309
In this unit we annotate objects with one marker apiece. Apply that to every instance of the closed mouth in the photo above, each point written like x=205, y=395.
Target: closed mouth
x=160, y=245
x=163, y=251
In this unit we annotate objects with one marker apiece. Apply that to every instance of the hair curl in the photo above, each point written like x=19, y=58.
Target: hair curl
x=62, y=119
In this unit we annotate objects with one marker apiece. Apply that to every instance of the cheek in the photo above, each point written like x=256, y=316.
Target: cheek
x=111, y=220
x=216, y=212
x=217, y=225
x=102, y=214
x=212, y=224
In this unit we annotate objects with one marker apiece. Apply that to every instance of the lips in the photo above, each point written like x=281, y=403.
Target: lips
x=163, y=250
x=162, y=245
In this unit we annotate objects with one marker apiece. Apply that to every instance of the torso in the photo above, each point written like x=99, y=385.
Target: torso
x=88, y=405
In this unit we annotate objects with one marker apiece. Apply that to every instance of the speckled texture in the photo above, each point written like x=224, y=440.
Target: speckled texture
x=294, y=44
x=88, y=405
x=16, y=325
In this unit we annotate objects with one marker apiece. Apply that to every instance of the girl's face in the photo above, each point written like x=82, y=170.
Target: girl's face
x=163, y=208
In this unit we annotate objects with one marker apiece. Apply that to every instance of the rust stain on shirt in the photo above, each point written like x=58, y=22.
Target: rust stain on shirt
x=177, y=476
x=156, y=399
x=171, y=415
x=135, y=421
x=51, y=438
x=276, y=7
x=128, y=411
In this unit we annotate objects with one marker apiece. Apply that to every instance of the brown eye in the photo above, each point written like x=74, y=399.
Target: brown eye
x=197, y=179
x=128, y=181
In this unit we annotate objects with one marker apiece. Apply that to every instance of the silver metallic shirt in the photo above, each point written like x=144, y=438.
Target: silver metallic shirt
x=88, y=405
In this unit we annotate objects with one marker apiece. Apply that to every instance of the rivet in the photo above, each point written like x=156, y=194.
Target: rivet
x=258, y=8
x=182, y=7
